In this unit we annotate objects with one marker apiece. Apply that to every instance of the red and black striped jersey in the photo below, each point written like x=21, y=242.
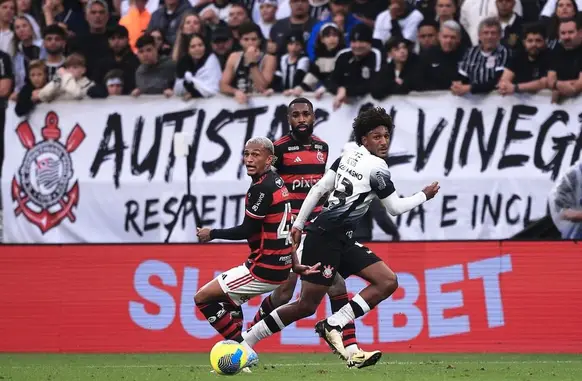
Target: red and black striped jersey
x=301, y=166
x=268, y=200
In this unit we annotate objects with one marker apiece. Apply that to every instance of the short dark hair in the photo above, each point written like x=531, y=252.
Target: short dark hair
x=428, y=22
x=145, y=40
x=249, y=27
x=299, y=101
x=368, y=120
x=534, y=28
x=575, y=20
x=54, y=29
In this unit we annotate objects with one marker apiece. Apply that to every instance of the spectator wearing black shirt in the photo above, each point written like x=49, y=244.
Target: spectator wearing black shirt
x=120, y=56
x=68, y=17
x=439, y=65
x=564, y=9
x=355, y=68
x=447, y=10
x=292, y=66
x=168, y=18
x=427, y=34
x=566, y=64
x=511, y=24
x=299, y=21
x=93, y=45
x=54, y=43
x=528, y=68
x=398, y=76
x=483, y=65
x=28, y=49
x=368, y=10
x=221, y=42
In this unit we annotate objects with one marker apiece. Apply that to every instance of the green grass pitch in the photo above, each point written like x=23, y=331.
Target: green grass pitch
x=290, y=367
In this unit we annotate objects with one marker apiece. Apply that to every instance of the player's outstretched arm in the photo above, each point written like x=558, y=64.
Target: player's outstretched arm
x=396, y=205
x=323, y=186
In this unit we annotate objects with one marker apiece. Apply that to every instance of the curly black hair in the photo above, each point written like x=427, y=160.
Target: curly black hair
x=368, y=120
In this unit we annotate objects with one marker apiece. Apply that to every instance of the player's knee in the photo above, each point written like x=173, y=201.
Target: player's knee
x=390, y=285
x=338, y=286
x=281, y=296
x=200, y=298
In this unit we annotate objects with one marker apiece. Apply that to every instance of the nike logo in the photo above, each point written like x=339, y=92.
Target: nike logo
x=435, y=65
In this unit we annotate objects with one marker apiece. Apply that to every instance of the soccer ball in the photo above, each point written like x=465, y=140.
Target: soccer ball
x=228, y=357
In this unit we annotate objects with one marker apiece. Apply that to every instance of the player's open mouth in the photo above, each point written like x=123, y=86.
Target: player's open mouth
x=302, y=127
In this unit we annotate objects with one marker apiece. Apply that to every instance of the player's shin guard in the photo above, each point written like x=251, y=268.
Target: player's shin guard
x=349, y=331
x=264, y=310
x=221, y=320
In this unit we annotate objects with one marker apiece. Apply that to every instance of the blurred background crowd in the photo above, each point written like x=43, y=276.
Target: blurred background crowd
x=71, y=49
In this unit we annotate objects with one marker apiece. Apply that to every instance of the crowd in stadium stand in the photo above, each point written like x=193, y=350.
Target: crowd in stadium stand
x=72, y=49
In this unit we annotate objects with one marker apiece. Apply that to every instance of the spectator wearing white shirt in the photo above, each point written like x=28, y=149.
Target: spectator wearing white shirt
x=267, y=10
x=474, y=11
x=400, y=20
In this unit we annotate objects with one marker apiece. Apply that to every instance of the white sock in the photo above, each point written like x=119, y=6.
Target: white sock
x=346, y=314
x=351, y=349
x=257, y=333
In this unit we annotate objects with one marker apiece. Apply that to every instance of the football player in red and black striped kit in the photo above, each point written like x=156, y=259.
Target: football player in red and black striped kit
x=301, y=158
x=266, y=228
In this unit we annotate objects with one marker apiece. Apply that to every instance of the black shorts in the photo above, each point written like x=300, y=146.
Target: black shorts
x=337, y=254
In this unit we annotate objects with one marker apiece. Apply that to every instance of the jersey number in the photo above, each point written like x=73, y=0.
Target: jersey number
x=284, y=229
x=343, y=189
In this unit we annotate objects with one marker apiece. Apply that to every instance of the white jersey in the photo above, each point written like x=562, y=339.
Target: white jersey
x=359, y=177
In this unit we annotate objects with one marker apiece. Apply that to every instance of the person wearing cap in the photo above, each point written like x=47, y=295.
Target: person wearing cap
x=95, y=44
x=292, y=66
x=337, y=7
x=221, y=43
x=120, y=56
x=356, y=67
x=266, y=19
x=329, y=43
x=400, y=19
x=298, y=21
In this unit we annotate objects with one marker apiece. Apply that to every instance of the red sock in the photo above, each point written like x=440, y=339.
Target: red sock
x=221, y=320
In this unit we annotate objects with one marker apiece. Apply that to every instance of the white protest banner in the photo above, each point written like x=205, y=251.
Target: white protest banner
x=104, y=171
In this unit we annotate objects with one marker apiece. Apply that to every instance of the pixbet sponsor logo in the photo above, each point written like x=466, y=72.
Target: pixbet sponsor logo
x=304, y=183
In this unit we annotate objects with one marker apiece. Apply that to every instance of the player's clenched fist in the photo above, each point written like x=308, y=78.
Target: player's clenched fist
x=203, y=234
x=431, y=190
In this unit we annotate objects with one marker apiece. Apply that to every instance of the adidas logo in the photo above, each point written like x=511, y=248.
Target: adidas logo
x=298, y=159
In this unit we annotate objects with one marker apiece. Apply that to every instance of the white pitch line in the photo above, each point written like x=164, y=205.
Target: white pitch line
x=306, y=364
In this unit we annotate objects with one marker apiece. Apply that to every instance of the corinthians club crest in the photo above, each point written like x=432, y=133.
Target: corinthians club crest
x=42, y=190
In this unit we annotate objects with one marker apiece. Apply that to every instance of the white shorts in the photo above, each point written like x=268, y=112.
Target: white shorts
x=240, y=286
x=299, y=250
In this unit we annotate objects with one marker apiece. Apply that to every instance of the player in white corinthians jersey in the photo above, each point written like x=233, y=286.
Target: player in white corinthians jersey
x=354, y=180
